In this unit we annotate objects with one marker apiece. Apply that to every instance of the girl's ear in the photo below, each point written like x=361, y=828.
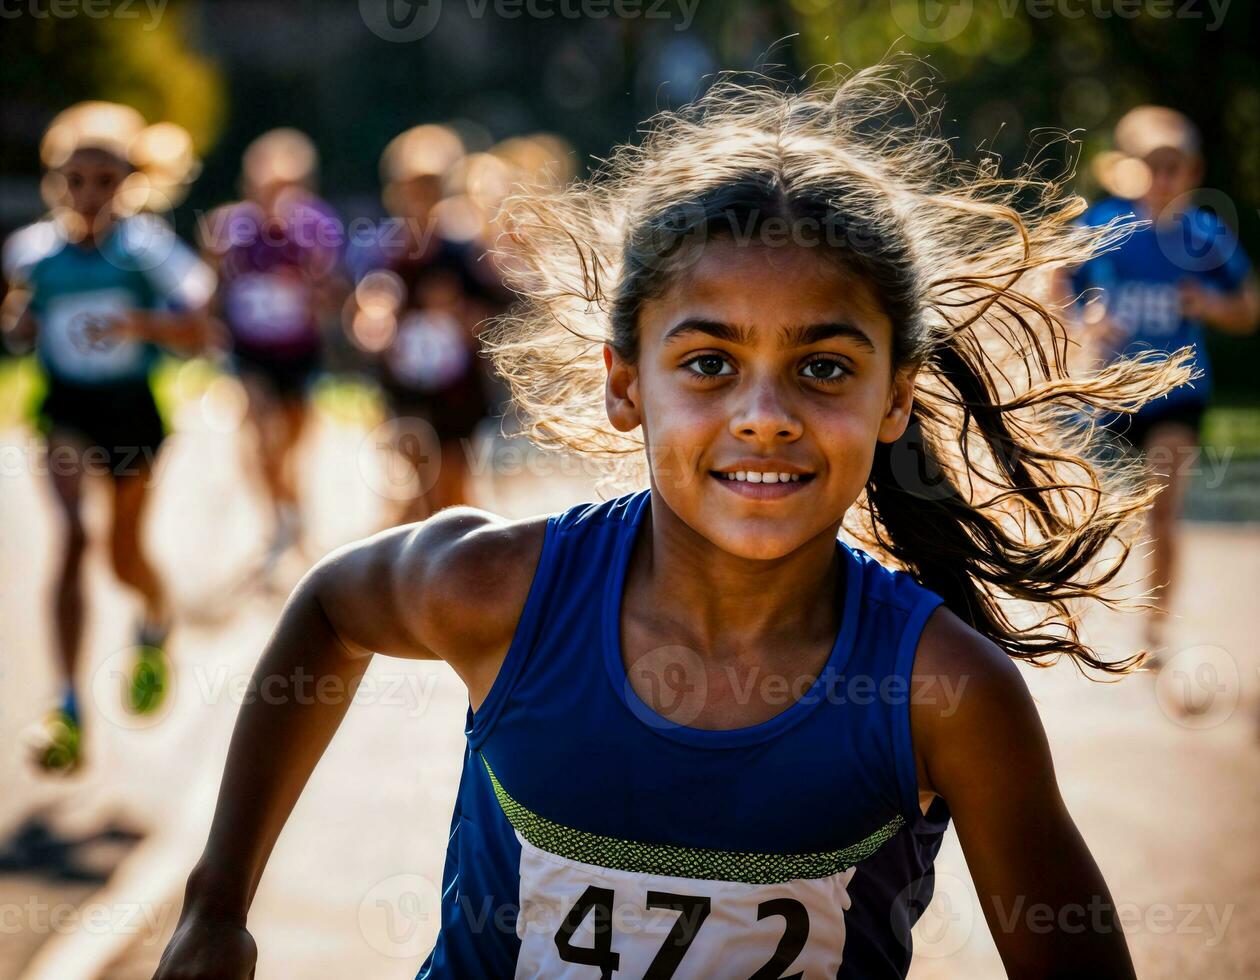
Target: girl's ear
x=900, y=401
x=621, y=392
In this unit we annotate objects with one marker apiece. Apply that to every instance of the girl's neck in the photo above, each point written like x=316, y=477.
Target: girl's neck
x=716, y=599
x=93, y=238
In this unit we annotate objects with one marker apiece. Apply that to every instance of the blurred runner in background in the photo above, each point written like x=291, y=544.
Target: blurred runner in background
x=1156, y=292
x=104, y=286
x=424, y=289
x=278, y=255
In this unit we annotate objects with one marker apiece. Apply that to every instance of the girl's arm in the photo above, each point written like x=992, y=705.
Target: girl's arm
x=450, y=588
x=985, y=751
x=19, y=333
x=1235, y=312
x=187, y=332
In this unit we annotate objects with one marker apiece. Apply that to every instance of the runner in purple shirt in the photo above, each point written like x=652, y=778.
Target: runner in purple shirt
x=278, y=255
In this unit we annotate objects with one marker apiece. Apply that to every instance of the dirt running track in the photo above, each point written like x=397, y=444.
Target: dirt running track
x=1169, y=802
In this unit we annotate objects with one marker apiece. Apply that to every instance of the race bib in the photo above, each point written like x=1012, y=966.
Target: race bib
x=584, y=921
x=265, y=309
x=1147, y=310
x=71, y=344
x=430, y=352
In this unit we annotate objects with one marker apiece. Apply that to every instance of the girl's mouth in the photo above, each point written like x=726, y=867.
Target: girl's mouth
x=762, y=485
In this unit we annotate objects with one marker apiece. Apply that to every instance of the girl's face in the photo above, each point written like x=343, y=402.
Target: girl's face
x=761, y=360
x=92, y=179
x=1173, y=174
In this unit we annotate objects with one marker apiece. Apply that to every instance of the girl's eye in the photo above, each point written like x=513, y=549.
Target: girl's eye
x=709, y=366
x=825, y=369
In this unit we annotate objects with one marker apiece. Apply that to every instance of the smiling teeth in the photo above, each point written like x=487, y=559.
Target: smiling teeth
x=749, y=476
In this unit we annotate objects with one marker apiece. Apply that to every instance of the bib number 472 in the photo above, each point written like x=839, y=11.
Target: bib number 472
x=692, y=911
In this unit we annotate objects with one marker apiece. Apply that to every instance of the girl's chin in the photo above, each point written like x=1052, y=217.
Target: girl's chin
x=739, y=540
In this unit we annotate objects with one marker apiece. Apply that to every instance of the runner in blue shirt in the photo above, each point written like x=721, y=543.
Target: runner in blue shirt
x=1165, y=284
x=104, y=291
x=706, y=738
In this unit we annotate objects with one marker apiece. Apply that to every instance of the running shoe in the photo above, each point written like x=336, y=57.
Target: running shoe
x=55, y=744
x=150, y=674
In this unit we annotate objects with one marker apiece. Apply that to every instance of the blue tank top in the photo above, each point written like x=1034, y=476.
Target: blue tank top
x=1139, y=281
x=593, y=837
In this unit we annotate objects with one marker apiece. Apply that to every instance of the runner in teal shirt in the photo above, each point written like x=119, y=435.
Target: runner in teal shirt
x=104, y=291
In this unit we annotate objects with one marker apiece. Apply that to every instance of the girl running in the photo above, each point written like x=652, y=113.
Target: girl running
x=104, y=289
x=278, y=255
x=423, y=287
x=705, y=737
x=1174, y=277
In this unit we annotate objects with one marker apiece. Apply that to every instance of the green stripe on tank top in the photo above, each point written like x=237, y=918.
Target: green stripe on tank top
x=682, y=862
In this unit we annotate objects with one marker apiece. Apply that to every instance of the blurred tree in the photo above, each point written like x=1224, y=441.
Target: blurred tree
x=47, y=63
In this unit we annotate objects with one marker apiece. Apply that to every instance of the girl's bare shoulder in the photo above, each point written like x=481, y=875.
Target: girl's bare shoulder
x=970, y=705
x=957, y=668
x=474, y=574
x=451, y=587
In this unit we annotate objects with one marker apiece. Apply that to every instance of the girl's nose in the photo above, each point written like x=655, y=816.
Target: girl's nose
x=763, y=413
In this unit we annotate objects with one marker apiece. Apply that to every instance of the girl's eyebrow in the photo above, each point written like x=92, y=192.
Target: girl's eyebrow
x=793, y=337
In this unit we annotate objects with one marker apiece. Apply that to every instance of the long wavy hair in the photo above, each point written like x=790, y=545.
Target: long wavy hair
x=997, y=497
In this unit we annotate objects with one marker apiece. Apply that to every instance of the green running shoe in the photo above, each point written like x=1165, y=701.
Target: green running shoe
x=150, y=674
x=56, y=743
